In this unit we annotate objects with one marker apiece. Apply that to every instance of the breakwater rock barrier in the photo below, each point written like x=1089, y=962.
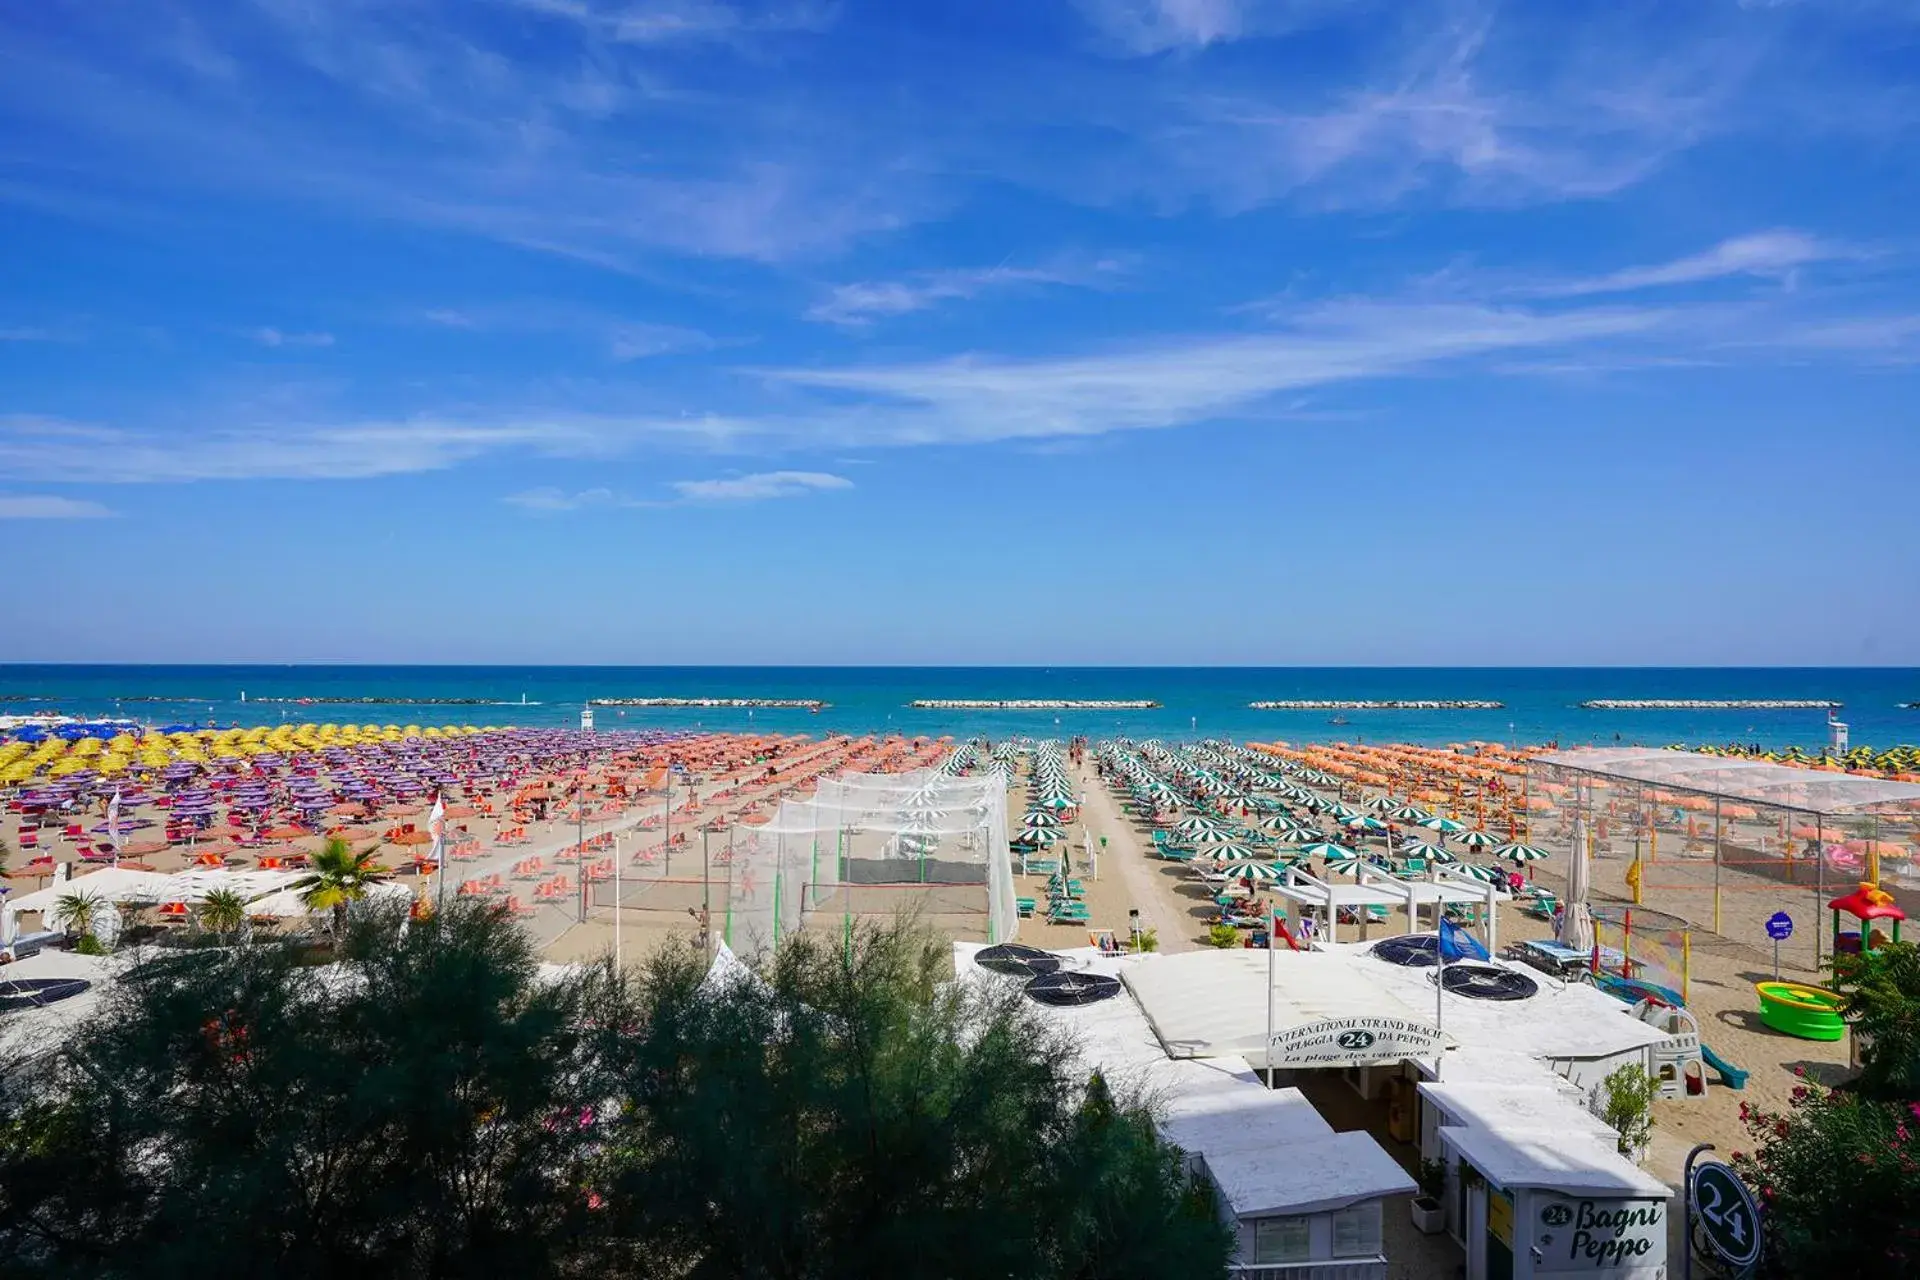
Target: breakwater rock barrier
x=1031, y=704
x=1376, y=704
x=1710, y=704
x=781, y=704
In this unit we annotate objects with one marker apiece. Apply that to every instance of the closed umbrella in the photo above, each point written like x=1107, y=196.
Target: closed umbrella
x=1576, y=921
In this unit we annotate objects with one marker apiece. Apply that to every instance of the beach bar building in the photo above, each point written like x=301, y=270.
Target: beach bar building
x=1493, y=1086
x=1304, y=1202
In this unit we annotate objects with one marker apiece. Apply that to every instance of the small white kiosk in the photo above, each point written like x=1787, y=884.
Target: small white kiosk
x=1542, y=1203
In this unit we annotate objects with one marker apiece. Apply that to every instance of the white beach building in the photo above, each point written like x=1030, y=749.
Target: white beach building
x=1494, y=1088
x=1303, y=1201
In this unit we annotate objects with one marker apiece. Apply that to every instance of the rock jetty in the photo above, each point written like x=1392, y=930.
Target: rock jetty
x=1389, y=704
x=1031, y=704
x=369, y=700
x=782, y=704
x=1710, y=704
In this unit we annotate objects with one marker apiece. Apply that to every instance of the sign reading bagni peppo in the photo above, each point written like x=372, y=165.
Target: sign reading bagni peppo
x=1352, y=1042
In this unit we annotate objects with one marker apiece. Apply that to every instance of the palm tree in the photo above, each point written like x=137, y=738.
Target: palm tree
x=223, y=912
x=73, y=912
x=337, y=877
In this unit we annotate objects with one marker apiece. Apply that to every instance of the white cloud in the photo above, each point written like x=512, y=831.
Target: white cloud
x=623, y=339
x=1773, y=255
x=54, y=450
x=1145, y=27
x=683, y=21
x=761, y=485
x=548, y=499
x=270, y=337
x=47, y=506
x=28, y=334
x=860, y=303
x=640, y=341
x=1179, y=382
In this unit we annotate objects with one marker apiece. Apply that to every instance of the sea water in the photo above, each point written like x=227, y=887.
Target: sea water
x=1540, y=704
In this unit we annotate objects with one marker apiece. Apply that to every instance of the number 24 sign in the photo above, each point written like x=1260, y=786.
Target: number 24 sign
x=1727, y=1214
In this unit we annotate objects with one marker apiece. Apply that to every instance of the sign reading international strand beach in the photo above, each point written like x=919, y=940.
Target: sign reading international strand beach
x=1352, y=1042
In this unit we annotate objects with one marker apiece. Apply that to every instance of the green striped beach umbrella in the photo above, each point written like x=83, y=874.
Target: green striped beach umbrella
x=1259, y=872
x=1282, y=822
x=1445, y=826
x=1038, y=836
x=1039, y=818
x=1410, y=813
x=1380, y=804
x=1362, y=822
x=1324, y=849
x=1198, y=825
x=1346, y=864
x=1341, y=812
x=1233, y=853
x=1431, y=852
x=1478, y=840
x=1489, y=875
x=1521, y=852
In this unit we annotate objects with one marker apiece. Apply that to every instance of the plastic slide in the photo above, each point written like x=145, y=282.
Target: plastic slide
x=1731, y=1076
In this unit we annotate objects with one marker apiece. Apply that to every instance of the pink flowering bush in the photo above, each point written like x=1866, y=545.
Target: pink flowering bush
x=1838, y=1179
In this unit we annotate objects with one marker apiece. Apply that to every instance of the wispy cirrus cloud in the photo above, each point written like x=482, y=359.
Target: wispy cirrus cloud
x=1768, y=255
x=271, y=337
x=1144, y=27
x=760, y=486
x=551, y=500
x=47, y=506
x=594, y=142
x=51, y=449
x=622, y=339
x=863, y=302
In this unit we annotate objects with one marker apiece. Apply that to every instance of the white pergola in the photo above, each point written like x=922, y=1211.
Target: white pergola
x=1375, y=888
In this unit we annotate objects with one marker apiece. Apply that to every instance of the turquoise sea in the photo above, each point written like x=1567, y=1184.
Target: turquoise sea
x=1541, y=703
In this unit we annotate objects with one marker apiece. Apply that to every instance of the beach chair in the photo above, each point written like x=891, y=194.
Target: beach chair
x=1025, y=906
x=1068, y=913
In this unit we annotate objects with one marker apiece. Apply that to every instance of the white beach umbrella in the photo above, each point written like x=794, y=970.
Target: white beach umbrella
x=1576, y=921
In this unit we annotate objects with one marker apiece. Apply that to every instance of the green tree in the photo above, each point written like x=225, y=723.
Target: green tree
x=337, y=878
x=73, y=912
x=439, y=1107
x=222, y=912
x=1882, y=1003
x=414, y=1116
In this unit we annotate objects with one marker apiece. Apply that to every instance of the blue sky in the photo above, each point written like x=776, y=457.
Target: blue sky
x=1103, y=331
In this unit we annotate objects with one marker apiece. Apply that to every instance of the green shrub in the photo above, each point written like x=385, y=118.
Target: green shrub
x=1838, y=1178
x=1149, y=941
x=1627, y=1104
x=89, y=945
x=1223, y=936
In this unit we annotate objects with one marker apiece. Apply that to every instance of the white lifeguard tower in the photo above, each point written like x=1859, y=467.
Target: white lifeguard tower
x=586, y=719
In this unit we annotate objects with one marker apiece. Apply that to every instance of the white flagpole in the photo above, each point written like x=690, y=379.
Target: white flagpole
x=1439, y=997
x=437, y=824
x=1272, y=943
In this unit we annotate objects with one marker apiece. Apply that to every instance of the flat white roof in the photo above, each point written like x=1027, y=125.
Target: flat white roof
x=1553, y=1161
x=1517, y=1108
x=1272, y=1143
x=1209, y=1003
x=1308, y=1177
x=1562, y=1020
x=1206, y=1003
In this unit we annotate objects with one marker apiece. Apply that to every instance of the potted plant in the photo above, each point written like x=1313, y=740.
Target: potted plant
x=1430, y=1207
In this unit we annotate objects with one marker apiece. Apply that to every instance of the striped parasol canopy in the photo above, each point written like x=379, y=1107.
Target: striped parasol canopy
x=1521, y=852
x=1039, y=818
x=1478, y=840
x=1380, y=804
x=1037, y=836
x=1218, y=835
x=1324, y=849
x=1346, y=864
x=1341, y=812
x=1490, y=875
x=1198, y=825
x=1431, y=852
x=1258, y=871
x=1445, y=826
x=1232, y=853
x=1361, y=822
x=1410, y=813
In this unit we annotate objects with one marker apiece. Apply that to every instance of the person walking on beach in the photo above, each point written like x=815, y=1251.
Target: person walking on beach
x=702, y=918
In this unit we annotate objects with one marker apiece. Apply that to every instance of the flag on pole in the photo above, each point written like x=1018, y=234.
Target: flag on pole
x=1457, y=944
x=437, y=828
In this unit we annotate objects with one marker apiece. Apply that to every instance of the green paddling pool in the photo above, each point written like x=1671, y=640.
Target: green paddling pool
x=1811, y=1013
